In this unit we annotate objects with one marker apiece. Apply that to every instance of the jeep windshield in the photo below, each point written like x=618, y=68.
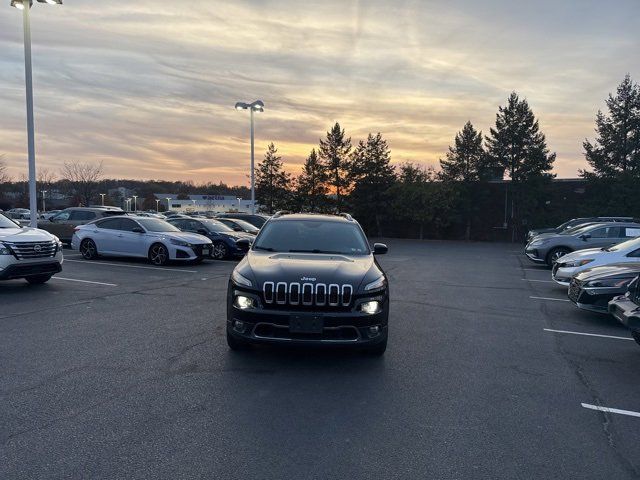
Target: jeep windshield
x=312, y=236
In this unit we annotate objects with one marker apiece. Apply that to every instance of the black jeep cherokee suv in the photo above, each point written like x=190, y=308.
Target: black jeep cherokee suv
x=309, y=279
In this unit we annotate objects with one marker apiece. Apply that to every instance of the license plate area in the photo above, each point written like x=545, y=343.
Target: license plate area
x=306, y=323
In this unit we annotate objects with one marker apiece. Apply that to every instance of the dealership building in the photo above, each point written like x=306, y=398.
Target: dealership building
x=207, y=203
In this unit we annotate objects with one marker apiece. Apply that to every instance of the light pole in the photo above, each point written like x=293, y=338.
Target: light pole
x=26, y=25
x=44, y=207
x=128, y=204
x=135, y=203
x=256, y=106
x=168, y=203
x=157, y=205
x=238, y=198
x=102, y=195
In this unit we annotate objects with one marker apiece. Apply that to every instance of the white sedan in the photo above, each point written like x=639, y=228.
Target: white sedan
x=132, y=236
x=569, y=265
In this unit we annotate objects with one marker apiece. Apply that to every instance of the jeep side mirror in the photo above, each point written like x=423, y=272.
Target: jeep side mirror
x=380, y=249
x=244, y=244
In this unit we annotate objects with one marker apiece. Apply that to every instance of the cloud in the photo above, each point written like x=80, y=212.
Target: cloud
x=149, y=87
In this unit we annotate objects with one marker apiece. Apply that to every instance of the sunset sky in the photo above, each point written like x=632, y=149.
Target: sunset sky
x=148, y=86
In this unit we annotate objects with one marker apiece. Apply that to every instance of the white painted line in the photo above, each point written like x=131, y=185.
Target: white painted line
x=587, y=334
x=611, y=410
x=541, y=269
x=91, y=262
x=540, y=281
x=552, y=299
x=85, y=281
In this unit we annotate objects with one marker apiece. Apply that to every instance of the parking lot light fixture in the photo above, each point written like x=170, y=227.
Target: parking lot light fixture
x=168, y=203
x=255, y=106
x=44, y=207
x=157, y=205
x=135, y=203
x=102, y=195
x=26, y=25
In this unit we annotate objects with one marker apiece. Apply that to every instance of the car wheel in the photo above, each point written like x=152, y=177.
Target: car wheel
x=555, y=254
x=88, y=249
x=378, y=349
x=39, y=279
x=235, y=344
x=158, y=254
x=636, y=335
x=220, y=251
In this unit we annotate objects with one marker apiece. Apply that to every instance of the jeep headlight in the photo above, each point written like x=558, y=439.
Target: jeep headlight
x=240, y=279
x=371, y=307
x=243, y=302
x=180, y=243
x=4, y=250
x=376, y=284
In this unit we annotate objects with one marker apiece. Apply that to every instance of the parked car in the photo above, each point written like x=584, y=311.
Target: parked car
x=575, y=222
x=626, y=309
x=238, y=225
x=548, y=248
x=63, y=223
x=257, y=220
x=309, y=279
x=131, y=236
x=28, y=253
x=574, y=263
x=593, y=288
x=49, y=214
x=224, y=239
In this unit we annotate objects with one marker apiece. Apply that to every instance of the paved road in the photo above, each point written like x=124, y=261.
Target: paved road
x=130, y=376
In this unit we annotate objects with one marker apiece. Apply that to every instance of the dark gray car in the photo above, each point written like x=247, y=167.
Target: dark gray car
x=549, y=247
x=575, y=222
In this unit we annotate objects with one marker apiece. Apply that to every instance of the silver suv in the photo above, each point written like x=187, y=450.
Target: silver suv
x=28, y=253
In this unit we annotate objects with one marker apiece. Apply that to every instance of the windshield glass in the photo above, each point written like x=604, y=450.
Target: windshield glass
x=578, y=229
x=627, y=245
x=216, y=226
x=245, y=225
x=312, y=236
x=6, y=223
x=156, y=225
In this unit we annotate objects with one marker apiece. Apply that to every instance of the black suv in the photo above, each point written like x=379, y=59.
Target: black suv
x=309, y=279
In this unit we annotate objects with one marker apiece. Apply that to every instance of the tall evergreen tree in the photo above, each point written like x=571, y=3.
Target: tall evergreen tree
x=464, y=167
x=517, y=146
x=614, y=157
x=372, y=175
x=334, y=152
x=311, y=188
x=272, y=182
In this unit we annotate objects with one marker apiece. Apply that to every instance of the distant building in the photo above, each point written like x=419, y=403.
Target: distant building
x=206, y=203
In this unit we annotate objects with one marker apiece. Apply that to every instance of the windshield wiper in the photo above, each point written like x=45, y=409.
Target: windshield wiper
x=266, y=249
x=315, y=250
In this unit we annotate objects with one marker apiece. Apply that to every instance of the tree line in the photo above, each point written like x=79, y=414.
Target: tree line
x=459, y=200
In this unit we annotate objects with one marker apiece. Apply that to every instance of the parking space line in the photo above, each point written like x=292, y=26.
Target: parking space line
x=552, y=299
x=610, y=410
x=587, y=334
x=536, y=269
x=132, y=266
x=540, y=281
x=85, y=281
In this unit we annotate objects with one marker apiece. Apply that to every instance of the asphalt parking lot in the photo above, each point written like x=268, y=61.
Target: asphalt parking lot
x=120, y=369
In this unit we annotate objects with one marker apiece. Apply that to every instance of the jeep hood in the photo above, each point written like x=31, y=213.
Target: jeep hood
x=311, y=268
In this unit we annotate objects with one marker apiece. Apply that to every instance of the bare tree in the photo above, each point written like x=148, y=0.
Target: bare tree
x=4, y=175
x=82, y=178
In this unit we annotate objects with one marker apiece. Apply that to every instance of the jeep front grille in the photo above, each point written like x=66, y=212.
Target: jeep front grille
x=26, y=250
x=307, y=294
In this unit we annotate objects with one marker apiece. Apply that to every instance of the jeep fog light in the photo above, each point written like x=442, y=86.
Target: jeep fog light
x=243, y=302
x=371, y=308
x=238, y=326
